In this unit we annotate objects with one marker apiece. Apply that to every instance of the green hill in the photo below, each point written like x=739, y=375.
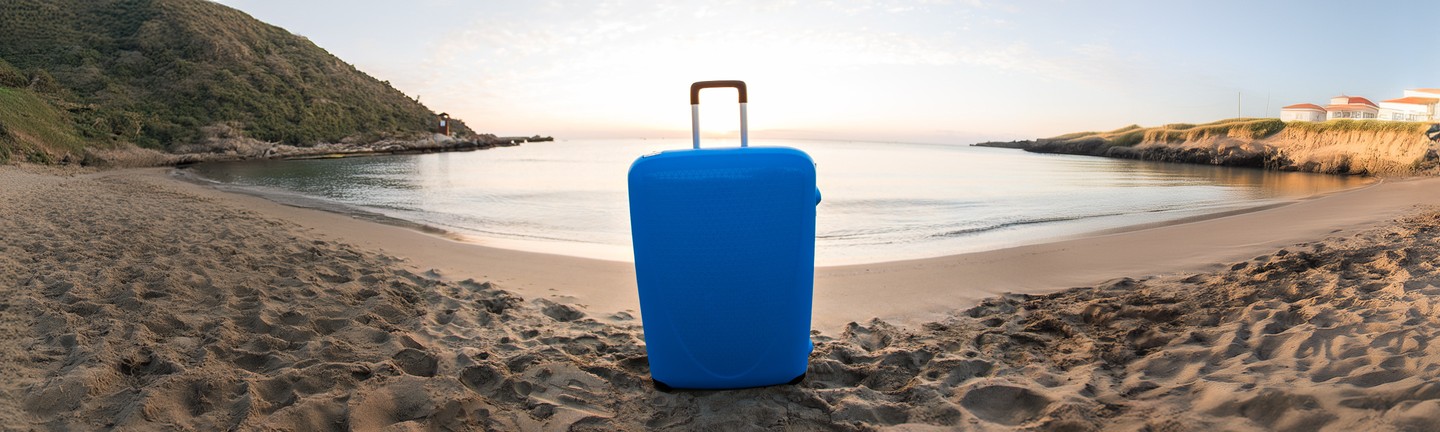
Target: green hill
x=159, y=73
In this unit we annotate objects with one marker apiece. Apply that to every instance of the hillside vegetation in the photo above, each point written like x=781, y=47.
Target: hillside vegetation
x=29, y=125
x=160, y=73
x=1337, y=146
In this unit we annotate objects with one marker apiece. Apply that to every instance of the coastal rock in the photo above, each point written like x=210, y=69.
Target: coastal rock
x=1018, y=144
x=247, y=149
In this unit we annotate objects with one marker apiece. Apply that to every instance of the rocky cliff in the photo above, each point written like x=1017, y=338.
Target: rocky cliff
x=1334, y=147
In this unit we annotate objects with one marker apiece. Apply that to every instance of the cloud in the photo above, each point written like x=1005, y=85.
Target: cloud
x=618, y=64
x=855, y=7
x=610, y=33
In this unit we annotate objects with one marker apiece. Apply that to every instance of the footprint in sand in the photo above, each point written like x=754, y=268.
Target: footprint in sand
x=1004, y=404
x=416, y=362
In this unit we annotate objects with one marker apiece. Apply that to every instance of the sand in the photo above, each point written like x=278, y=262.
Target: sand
x=906, y=293
x=130, y=300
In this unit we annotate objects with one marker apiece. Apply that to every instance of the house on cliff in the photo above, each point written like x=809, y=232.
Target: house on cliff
x=1351, y=107
x=1302, y=112
x=1417, y=105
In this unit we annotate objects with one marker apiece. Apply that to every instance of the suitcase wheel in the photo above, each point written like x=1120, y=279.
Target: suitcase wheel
x=797, y=380
x=665, y=388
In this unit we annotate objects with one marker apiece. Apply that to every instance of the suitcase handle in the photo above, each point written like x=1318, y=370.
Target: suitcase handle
x=695, y=108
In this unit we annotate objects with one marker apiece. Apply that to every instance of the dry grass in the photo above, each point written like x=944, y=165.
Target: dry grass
x=1346, y=125
x=1241, y=128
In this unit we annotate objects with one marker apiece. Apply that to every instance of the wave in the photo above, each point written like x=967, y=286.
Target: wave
x=1021, y=222
x=892, y=203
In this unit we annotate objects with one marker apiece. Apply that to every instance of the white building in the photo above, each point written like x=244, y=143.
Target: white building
x=1423, y=92
x=1417, y=105
x=1408, y=108
x=1302, y=112
x=1351, y=107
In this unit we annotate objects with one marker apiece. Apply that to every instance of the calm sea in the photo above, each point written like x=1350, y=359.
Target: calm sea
x=882, y=201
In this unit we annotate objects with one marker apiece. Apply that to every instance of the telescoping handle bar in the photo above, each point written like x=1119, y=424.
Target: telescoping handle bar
x=695, y=108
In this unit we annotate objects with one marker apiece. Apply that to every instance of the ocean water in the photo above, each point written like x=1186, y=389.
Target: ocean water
x=882, y=201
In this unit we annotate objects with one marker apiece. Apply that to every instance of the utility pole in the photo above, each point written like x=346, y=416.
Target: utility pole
x=1267, y=105
x=1237, y=105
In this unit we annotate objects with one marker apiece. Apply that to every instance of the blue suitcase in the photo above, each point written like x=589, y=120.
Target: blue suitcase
x=725, y=260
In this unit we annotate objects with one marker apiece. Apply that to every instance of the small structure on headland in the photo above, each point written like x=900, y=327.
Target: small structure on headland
x=1417, y=105
x=443, y=127
x=1351, y=107
x=1302, y=112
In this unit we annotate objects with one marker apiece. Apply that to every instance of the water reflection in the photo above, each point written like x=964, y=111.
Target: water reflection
x=882, y=201
x=1263, y=183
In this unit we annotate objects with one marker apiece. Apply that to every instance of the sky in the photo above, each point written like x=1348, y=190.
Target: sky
x=931, y=71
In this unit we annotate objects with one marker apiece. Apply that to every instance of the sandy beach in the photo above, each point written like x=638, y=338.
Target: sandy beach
x=134, y=300
x=909, y=292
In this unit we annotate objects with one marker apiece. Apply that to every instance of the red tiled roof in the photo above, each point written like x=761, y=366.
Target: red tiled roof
x=1427, y=90
x=1350, y=107
x=1415, y=100
x=1352, y=100
x=1307, y=106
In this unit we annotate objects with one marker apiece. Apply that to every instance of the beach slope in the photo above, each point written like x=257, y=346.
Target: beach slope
x=129, y=300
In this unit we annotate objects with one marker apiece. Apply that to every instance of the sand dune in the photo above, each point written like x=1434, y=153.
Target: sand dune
x=134, y=302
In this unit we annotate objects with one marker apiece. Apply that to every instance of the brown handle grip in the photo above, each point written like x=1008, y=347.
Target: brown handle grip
x=695, y=89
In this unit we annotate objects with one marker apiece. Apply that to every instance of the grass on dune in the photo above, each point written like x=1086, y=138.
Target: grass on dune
x=1112, y=133
x=1074, y=135
x=1244, y=128
x=1361, y=126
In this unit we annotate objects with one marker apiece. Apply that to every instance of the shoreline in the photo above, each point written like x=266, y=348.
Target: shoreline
x=905, y=292
x=1083, y=227
x=245, y=149
x=296, y=200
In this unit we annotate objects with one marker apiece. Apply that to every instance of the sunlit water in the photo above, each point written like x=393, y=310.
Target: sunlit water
x=882, y=201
